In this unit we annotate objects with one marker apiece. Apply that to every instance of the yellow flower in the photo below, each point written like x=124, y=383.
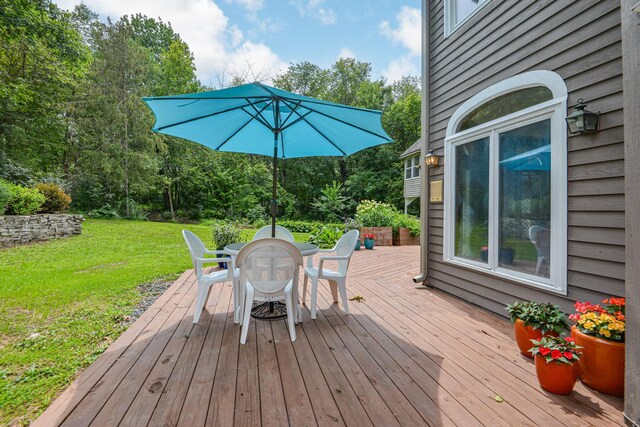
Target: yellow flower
x=605, y=332
x=589, y=324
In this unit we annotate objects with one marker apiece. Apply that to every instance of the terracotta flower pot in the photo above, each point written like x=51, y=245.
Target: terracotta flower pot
x=601, y=364
x=524, y=335
x=558, y=378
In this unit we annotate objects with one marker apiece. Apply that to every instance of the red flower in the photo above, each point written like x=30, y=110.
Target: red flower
x=556, y=354
x=568, y=355
x=569, y=339
x=544, y=351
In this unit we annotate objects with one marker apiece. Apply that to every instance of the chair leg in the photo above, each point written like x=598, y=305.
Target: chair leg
x=540, y=259
x=342, y=286
x=291, y=315
x=246, y=313
x=203, y=293
x=237, y=311
x=304, y=288
x=314, y=296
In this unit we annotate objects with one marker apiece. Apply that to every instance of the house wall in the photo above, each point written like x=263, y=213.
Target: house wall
x=581, y=41
x=412, y=187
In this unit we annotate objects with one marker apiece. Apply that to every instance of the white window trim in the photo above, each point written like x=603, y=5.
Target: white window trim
x=410, y=164
x=556, y=110
x=449, y=15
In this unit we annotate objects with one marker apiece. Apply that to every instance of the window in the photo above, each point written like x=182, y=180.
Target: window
x=412, y=167
x=506, y=191
x=456, y=12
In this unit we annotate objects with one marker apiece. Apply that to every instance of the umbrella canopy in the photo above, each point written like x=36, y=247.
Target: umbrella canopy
x=259, y=119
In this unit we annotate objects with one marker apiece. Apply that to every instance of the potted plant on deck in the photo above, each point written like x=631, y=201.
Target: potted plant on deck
x=554, y=358
x=534, y=320
x=369, y=240
x=600, y=332
x=224, y=234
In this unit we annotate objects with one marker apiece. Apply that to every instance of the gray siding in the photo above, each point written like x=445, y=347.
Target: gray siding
x=412, y=187
x=581, y=41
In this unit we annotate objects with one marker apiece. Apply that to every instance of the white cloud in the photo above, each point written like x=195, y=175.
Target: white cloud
x=314, y=9
x=250, y=5
x=408, y=32
x=401, y=67
x=217, y=47
x=345, y=52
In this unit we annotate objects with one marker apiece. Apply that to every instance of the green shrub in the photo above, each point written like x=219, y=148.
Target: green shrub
x=5, y=196
x=312, y=227
x=105, y=212
x=352, y=224
x=23, y=201
x=546, y=317
x=257, y=214
x=327, y=236
x=375, y=214
x=56, y=200
x=225, y=233
x=406, y=221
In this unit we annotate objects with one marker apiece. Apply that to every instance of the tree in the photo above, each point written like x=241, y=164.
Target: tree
x=42, y=57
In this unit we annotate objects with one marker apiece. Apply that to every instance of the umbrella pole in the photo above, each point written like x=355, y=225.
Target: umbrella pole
x=274, y=202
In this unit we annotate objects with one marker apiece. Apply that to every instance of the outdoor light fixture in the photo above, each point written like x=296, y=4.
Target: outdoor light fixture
x=432, y=159
x=581, y=120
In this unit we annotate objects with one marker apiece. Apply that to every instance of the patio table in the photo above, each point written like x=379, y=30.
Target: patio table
x=273, y=310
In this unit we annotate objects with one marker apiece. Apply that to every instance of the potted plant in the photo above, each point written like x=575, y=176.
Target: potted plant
x=224, y=234
x=369, y=240
x=554, y=358
x=600, y=331
x=534, y=320
x=352, y=224
x=484, y=253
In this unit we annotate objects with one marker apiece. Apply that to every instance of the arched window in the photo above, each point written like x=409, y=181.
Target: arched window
x=506, y=181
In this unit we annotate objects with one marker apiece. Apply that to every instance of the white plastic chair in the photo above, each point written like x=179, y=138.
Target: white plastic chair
x=281, y=233
x=275, y=283
x=206, y=281
x=539, y=236
x=344, y=249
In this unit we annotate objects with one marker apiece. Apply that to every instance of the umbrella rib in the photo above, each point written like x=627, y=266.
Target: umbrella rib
x=348, y=124
x=200, y=117
x=260, y=120
x=295, y=121
x=282, y=126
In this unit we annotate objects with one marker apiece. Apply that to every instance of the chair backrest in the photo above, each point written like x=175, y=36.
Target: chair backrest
x=196, y=250
x=540, y=236
x=281, y=233
x=269, y=264
x=345, y=247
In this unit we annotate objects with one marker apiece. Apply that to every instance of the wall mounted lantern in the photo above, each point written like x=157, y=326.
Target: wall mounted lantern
x=432, y=159
x=581, y=120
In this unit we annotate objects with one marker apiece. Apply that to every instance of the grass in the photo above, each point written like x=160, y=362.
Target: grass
x=63, y=302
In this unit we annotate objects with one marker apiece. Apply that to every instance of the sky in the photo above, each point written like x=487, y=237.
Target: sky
x=258, y=39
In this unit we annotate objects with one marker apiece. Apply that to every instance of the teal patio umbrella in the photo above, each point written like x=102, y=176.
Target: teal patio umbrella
x=259, y=119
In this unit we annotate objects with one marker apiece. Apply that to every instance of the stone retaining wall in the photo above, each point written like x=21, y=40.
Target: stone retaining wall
x=22, y=229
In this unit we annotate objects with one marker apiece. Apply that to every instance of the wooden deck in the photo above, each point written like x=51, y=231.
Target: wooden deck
x=405, y=356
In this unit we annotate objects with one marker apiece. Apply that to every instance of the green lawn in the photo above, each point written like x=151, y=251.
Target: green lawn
x=63, y=302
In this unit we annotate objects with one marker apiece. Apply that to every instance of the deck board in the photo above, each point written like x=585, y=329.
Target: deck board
x=406, y=355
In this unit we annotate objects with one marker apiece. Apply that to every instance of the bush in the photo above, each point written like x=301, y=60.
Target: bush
x=56, y=200
x=407, y=221
x=5, y=197
x=327, y=236
x=257, y=214
x=225, y=233
x=105, y=212
x=23, y=201
x=312, y=227
x=375, y=214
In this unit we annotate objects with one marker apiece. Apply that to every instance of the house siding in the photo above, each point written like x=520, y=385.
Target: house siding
x=580, y=41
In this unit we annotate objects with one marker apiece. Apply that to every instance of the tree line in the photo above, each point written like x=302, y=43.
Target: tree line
x=71, y=113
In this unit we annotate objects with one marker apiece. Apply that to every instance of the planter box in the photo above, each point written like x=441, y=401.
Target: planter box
x=384, y=235
x=404, y=238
